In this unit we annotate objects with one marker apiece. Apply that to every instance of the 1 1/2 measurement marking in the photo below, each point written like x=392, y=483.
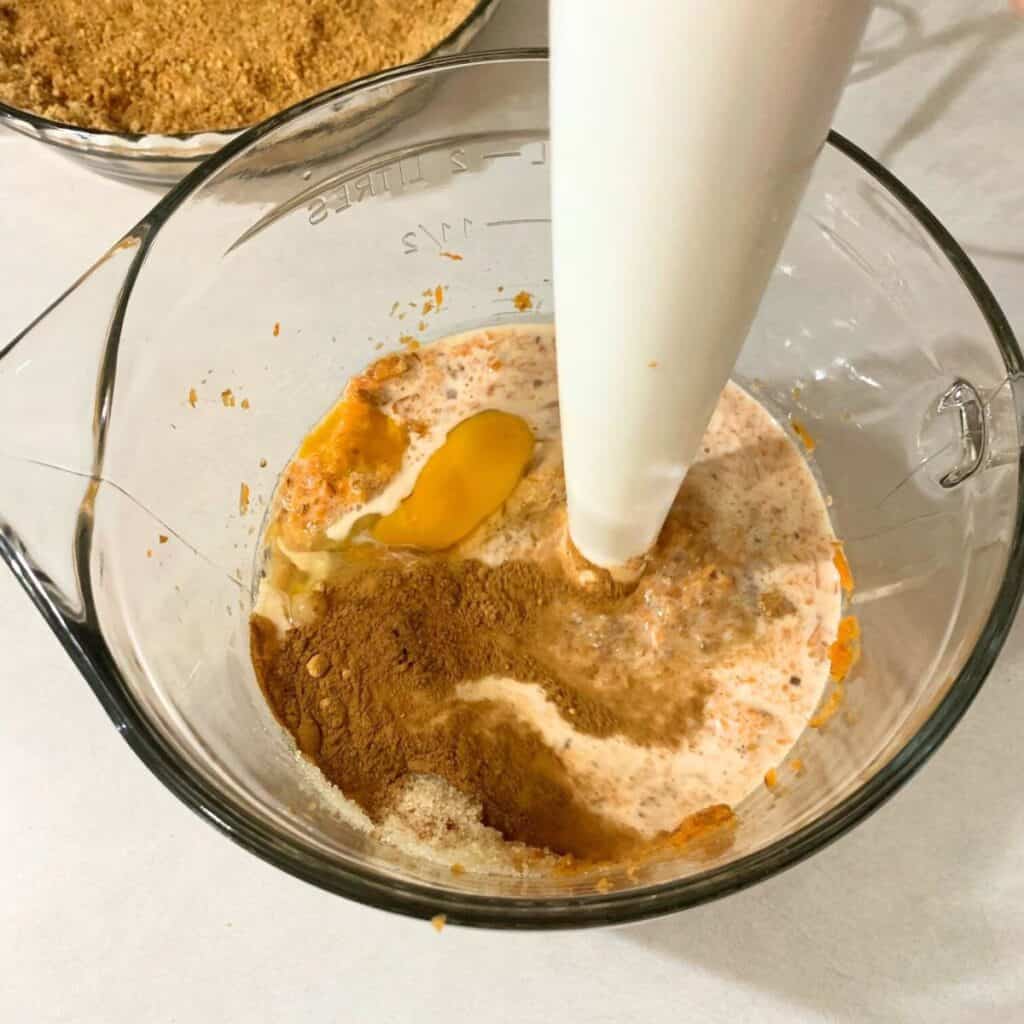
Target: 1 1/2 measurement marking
x=412, y=240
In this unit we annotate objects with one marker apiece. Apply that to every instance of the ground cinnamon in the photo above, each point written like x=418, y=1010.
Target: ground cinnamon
x=398, y=642
x=369, y=690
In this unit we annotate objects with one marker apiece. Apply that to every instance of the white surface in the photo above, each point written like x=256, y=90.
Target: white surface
x=118, y=904
x=713, y=146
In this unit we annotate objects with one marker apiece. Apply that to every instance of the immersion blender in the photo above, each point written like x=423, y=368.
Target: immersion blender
x=709, y=115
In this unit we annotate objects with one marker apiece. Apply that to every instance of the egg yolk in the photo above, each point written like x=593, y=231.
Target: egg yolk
x=463, y=482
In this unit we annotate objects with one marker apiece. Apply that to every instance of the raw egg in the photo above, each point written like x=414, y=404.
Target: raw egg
x=463, y=482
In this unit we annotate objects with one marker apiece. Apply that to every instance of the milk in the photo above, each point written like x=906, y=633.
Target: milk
x=684, y=132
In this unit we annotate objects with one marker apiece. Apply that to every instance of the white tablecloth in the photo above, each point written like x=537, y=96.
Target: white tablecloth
x=118, y=904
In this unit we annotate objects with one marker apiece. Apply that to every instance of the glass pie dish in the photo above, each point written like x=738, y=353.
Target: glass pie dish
x=156, y=159
x=275, y=277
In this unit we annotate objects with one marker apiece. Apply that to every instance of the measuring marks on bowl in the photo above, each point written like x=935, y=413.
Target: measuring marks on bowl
x=443, y=165
x=462, y=160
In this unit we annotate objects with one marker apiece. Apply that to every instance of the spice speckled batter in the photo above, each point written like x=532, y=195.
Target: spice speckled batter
x=622, y=712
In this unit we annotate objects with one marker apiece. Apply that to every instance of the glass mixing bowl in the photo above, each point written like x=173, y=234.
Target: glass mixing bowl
x=154, y=159
x=276, y=280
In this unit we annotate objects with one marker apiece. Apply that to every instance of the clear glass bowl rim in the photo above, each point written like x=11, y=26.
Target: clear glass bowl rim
x=80, y=635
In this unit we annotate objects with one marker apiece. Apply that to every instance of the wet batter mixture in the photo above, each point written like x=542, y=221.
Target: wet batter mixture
x=444, y=661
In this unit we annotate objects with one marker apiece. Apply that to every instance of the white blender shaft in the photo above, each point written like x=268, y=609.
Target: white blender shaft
x=683, y=135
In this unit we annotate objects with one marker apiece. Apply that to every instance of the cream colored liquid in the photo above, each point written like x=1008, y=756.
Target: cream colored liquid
x=766, y=519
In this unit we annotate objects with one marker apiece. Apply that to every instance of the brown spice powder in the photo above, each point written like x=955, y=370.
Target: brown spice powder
x=398, y=642
x=369, y=690
x=172, y=66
